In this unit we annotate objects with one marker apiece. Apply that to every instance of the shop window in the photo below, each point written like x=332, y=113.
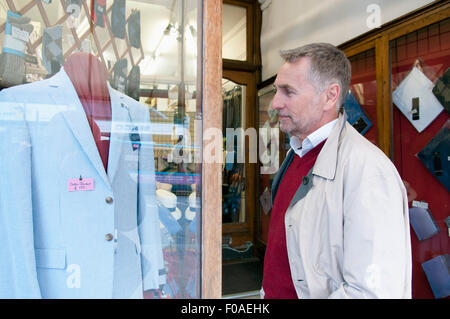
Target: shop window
x=100, y=172
x=420, y=59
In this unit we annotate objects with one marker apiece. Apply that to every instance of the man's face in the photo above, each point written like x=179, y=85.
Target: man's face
x=297, y=101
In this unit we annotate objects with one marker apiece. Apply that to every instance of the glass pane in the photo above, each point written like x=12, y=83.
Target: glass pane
x=269, y=148
x=361, y=101
x=234, y=171
x=420, y=72
x=234, y=39
x=99, y=137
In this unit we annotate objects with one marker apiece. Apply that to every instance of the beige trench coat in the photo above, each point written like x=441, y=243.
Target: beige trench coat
x=347, y=227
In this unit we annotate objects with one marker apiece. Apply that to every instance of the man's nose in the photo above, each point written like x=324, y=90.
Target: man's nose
x=276, y=102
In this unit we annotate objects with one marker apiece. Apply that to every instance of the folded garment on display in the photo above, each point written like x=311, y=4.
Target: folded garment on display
x=436, y=156
x=12, y=61
x=414, y=98
x=355, y=114
x=437, y=271
x=423, y=222
x=442, y=90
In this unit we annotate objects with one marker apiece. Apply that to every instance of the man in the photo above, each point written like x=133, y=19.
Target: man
x=339, y=225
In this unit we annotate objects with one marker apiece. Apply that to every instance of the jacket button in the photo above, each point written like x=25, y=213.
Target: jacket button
x=305, y=180
x=109, y=199
x=109, y=237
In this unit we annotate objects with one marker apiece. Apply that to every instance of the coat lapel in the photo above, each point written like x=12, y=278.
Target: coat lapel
x=305, y=186
x=120, y=130
x=63, y=93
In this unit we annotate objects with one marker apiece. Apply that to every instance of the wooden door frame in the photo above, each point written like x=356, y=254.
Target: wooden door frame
x=247, y=228
x=210, y=71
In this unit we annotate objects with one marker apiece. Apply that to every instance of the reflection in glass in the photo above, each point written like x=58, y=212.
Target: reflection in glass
x=234, y=32
x=234, y=171
x=100, y=194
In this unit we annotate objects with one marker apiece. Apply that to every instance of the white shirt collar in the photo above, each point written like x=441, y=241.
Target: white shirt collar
x=312, y=140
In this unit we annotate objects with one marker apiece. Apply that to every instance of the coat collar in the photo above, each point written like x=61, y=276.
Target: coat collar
x=63, y=93
x=326, y=162
x=325, y=165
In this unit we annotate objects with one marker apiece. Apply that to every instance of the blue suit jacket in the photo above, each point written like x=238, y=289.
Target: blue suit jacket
x=53, y=242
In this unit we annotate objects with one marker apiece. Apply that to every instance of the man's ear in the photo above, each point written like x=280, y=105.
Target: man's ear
x=332, y=96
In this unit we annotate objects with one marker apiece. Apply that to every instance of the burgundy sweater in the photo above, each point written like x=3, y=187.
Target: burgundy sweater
x=277, y=282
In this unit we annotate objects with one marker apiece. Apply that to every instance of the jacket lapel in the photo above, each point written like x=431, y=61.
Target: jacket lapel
x=63, y=93
x=120, y=130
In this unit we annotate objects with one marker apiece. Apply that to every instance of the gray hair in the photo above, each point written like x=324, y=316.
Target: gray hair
x=328, y=65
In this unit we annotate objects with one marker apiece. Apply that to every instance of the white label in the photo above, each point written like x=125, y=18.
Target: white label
x=418, y=204
x=19, y=34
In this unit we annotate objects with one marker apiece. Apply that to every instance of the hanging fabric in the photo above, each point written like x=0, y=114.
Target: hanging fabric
x=118, y=19
x=99, y=12
x=134, y=29
x=119, y=75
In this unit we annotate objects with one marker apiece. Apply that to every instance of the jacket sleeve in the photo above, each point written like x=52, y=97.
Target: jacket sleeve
x=18, y=278
x=149, y=225
x=376, y=252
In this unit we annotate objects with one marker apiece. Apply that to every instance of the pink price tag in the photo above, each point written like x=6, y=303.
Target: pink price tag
x=77, y=185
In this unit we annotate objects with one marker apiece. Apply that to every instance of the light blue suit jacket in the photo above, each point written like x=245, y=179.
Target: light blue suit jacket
x=52, y=241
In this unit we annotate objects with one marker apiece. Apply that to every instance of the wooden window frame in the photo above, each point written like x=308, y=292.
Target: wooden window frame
x=210, y=71
x=210, y=75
